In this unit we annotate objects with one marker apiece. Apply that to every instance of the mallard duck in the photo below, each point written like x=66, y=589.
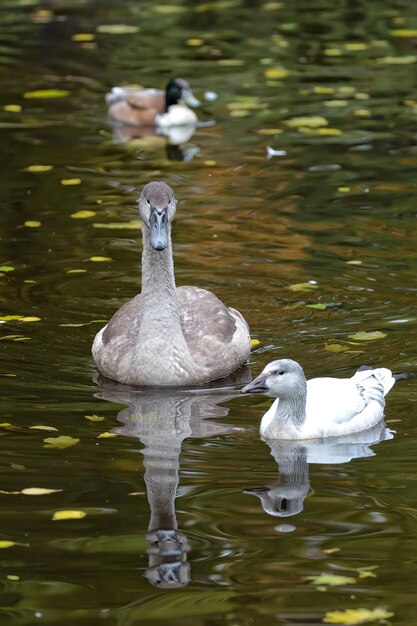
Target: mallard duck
x=320, y=407
x=168, y=335
x=154, y=107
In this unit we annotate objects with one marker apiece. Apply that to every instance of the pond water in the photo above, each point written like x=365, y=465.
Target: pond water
x=184, y=515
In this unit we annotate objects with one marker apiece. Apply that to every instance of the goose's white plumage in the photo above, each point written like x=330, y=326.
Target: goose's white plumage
x=320, y=407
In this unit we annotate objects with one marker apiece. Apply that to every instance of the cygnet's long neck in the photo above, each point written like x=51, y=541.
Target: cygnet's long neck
x=161, y=341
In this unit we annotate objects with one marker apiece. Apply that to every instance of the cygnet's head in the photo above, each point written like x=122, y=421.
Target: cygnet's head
x=157, y=207
x=283, y=378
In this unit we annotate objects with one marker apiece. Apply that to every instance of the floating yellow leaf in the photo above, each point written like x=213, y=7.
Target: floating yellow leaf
x=194, y=42
x=14, y=338
x=210, y=162
x=5, y=269
x=323, y=90
x=76, y=271
x=5, y=425
x=354, y=262
x=136, y=493
x=39, y=169
x=269, y=131
x=276, y=72
x=230, y=62
x=356, y=46
x=331, y=580
x=38, y=491
x=12, y=577
x=366, y=574
x=332, y=52
x=320, y=306
x=303, y=286
x=47, y=93
x=83, y=214
x=132, y=225
x=42, y=427
x=106, y=435
x=117, y=29
x=32, y=223
x=404, y=32
x=331, y=550
x=356, y=616
x=68, y=514
x=254, y=342
x=405, y=60
x=99, y=259
x=362, y=112
x=329, y=131
x=83, y=37
x=30, y=319
x=7, y=544
x=368, y=336
x=64, y=441
x=12, y=108
x=343, y=189
x=168, y=9
x=335, y=103
x=313, y=121
x=94, y=418
x=336, y=347
x=70, y=181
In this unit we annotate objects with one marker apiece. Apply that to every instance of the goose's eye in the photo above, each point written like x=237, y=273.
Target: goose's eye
x=148, y=202
x=281, y=372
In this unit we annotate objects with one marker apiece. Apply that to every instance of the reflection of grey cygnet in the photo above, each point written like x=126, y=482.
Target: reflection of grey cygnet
x=286, y=497
x=162, y=419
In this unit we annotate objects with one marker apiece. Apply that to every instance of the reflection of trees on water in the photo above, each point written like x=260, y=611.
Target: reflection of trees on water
x=286, y=497
x=162, y=419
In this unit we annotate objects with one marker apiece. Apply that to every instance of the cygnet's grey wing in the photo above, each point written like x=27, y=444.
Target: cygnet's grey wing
x=211, y=329
x=124, y=325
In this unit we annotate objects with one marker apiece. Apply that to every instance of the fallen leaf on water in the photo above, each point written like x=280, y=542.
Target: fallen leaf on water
x=332, y=52
x=194, y=41
x=7, y=544
x=356, y=46
x=39, y=169
x=9, y=318
x=331, y=580
x=354, y=262
x=83, y=37
x=46, y=94
x=67, y=514
x=331, y=550
x=32, y=223
x=6, y=268
x=269, y=131
x=83, y=214
x=168, y=9
x=9, y=493
x=254, y=342
x=14, y=338
x=76, y=271
x=319, y=306
x=366, y=574
x=70, y=181
x=133, y=224
x=276, y=72
x=336, y=347
x=99, y=259
x=12, y=577
x=106, y=435
x=12, y=108
x=356, y=616
x=405, y=60
x=38, y=491
x=94, y=418
x=117, y=29
x=362, y=112
x=314, y=121
x=61, y=442
x=5, y=425
x=404, y=32
x=303, y=286
x=368, y=336
x=30, y=319
x=42, y=427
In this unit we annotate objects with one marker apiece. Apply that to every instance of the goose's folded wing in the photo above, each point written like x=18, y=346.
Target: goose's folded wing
x=334, y=400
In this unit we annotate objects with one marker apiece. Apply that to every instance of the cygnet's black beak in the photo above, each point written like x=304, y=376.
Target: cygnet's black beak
x=158, y=225
x=257, y=385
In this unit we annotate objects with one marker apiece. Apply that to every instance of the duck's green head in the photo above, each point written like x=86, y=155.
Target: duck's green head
x=178, y=90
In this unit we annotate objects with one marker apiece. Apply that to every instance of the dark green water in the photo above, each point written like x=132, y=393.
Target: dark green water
x=338, y=209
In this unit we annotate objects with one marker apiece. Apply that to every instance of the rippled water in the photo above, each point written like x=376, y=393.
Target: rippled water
x=190, y=517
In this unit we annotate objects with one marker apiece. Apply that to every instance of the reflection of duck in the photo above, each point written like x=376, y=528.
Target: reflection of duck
x=167, y=335
x=149, y=107
x=150, y=138
x=286, y=497
x=320, y=407
x=162, y=419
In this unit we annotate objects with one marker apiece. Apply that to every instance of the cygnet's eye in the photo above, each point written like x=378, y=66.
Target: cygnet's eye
x=281, y=372
x=148, y=201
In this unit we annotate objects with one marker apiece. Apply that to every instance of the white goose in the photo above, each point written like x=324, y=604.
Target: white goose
x=167, y=335
x=320, y=407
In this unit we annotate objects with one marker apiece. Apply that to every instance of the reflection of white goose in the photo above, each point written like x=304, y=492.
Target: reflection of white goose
x=320, y=407
x=162, y=419
x=286, y=497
